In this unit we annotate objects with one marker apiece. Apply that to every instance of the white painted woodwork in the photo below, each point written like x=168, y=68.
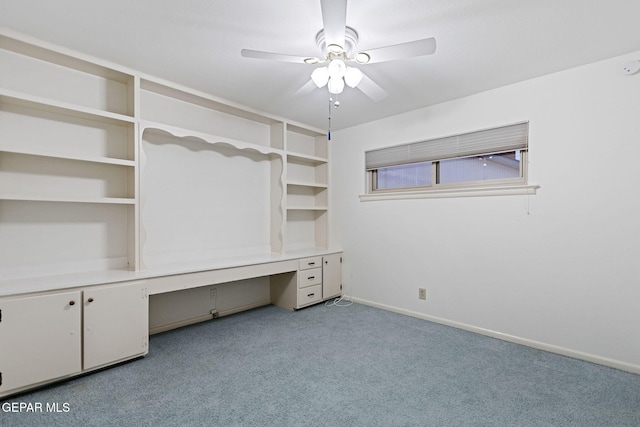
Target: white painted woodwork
x=317, y=278
x=115, y=323
x=118, y=185
x=309, y=295
x=307, y=189
x=40, y=338
x=43, y=73
x=309, y=277
x=312, y=262
x=178, y=108
x=332, y=275
x=175, y=282
x=51, y=336
x=96, y=153
x=67, y=164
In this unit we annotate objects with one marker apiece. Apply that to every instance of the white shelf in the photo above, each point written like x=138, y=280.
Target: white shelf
x=53, y=106
x=307, y=184
x=102, y=160
x=209, y=138
x=306, y=158
x=307, y=208
x=100, y=200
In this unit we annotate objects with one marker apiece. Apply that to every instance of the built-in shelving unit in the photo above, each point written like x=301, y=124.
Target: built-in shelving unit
x=307, y=188
x=173, y=105
x=117, y=186
x=126, y=171
x=68, y=163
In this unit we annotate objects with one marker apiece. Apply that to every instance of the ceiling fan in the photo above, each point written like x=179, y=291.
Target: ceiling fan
x=338, y=44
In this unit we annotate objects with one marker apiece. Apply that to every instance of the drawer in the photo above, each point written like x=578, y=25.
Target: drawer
x=309, y=295
x=309, y=277
x=313, y=262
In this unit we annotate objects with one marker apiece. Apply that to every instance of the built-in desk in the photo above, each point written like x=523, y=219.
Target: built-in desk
x=221, y=270
x=53, y=328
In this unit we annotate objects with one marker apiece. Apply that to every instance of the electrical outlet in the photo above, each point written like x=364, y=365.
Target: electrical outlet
x=213, y=293
x=422, y=293
x=632, y=67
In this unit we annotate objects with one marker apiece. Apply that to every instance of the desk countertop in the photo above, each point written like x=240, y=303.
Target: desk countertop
x=21, y=286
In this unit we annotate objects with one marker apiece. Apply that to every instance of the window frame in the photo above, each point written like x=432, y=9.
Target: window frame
x=500, y=186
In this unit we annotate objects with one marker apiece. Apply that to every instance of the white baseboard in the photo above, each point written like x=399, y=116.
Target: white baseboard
x=612, y=363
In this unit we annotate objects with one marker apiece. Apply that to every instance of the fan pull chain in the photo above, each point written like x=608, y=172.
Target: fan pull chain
x=335, y=105
x=329, y=129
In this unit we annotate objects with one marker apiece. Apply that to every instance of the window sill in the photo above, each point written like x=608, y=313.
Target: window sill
x=511, y=190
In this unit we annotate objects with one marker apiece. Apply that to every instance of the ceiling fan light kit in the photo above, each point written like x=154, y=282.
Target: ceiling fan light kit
x=337, y=43
x=336, y=68
x=333, y=74
x=336, y=73
x=352, y=77
x=320, y=76
x=335, y=85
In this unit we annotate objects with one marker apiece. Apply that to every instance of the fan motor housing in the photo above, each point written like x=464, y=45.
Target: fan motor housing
x=350, y=41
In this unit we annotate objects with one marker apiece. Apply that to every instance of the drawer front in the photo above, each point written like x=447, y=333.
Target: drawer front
x=309, y=295
x=313, y=262
x=309, y=277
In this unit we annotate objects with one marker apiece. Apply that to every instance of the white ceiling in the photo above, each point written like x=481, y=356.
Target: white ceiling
x=482, y=44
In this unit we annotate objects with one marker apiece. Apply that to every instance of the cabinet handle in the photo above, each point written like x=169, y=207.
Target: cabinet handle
x=311, y=294
x=72, y=302
x=90, y=300
x=311, y=263
x=311, y=277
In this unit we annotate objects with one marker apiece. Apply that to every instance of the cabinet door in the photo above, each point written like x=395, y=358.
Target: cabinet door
x=331, y=275
x=39, y=339
x=116, y=323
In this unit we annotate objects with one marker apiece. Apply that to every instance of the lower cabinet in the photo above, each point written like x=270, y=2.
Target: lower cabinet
x=331, y=276
x=116, y=324
x=56, y=335
x=317, y=279
x=40, y=337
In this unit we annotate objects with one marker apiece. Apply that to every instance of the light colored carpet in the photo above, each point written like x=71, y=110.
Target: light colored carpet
x=339, y=366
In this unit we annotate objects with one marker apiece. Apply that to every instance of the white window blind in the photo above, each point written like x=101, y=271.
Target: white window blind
x=496, y=140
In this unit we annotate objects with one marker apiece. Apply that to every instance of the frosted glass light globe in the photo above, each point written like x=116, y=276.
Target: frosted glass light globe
x=337, y=68
x=336, y=85
x=352, y=77
x=320, y=76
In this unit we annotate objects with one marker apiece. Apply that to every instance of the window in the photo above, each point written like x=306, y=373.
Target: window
x=478, y=160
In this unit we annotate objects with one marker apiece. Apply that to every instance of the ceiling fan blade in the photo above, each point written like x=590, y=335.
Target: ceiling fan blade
x=258, y=54
x=334, y=19
x=371, y=89
x=306, y=89
x=402, y=50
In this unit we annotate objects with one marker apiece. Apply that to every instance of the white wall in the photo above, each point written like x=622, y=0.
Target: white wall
x=557, y=270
